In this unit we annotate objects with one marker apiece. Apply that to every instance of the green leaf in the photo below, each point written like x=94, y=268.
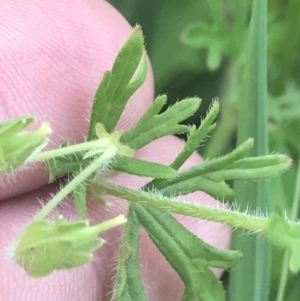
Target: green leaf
x=3, y=164
x=79, y=195
x=128, y=285
x=73, y=163
x=254, y=168
x=214, y=56
x=211, y=165
x=210, y=175
x=211, y=36
x=62, y=165
x=188, y=254
x=196, y=136
x=287, y=236
x=153, y=125
x=199, y=34
x=119, y=84
x=129, y=265
x=143, y=168
x=161, y=17
x=210, y=185
x=200, y=177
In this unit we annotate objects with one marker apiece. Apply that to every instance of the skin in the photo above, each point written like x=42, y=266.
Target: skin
x=52, y=57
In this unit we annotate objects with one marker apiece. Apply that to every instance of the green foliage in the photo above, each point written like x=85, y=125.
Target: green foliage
x=44, y=245
x=108, y=146
x=149, y=127
x=204, y=35
x=180, y=70
x=196, y=136
x=129, y=285
x=144, y=168
x=118, y=84
x=286, y=235
x=217, y=35
x=188, y=255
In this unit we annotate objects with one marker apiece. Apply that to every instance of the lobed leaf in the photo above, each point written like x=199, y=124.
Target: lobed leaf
x=210, y=175
x=190, y=256
x=196, y=136
x=128, y=285
x=215, y=188
x=208, y=166
x=210, y=36
x=152, y=125
x=79, y=195
x=73, y=163
x=143, y=168
x=254, y=168
x=119, y=84
x=287, y=236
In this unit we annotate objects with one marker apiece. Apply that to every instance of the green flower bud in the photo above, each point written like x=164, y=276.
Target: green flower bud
x=17, y=146
x=46, y=246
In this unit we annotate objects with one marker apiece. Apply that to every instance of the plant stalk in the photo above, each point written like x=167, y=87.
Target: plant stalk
x=108, y=154
x=152, y=199
x=96, y=144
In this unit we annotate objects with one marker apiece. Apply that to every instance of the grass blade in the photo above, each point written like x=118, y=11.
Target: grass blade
x=250, y=280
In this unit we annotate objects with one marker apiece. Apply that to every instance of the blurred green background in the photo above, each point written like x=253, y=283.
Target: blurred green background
x=197, y=48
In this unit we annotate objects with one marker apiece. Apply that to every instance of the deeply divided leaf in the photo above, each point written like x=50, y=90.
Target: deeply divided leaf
x=153, y=125
x=211, y=175
x=119, y=84
x=128, y=285
x=196, y=136
x=286, y=236
x=144, y=168
x=188, y=254
x=79, y=195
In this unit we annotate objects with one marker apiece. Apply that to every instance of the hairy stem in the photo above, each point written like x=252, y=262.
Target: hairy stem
x=104, y=226
x=222, y=215
x=109, y=153
x=96, y=144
